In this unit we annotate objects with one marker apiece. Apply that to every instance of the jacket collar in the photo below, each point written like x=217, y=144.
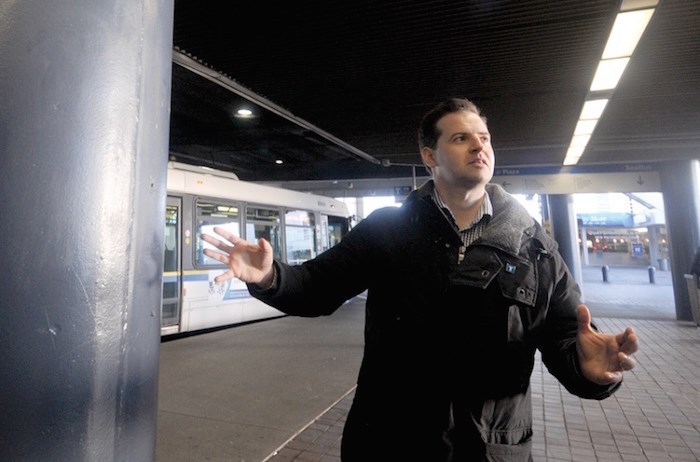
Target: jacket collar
x=509, y=222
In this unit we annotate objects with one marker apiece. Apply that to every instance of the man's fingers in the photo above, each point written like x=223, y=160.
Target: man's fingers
x=626, y=362
x=211, y=240
x=583, y=316
x=224, y=276
x=229, y=236
x=628, y=341
x=218, y=243
x=613, y=377
x=216, y=256
x=265, y=245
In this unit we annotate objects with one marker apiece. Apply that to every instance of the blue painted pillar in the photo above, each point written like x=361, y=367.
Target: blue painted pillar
x=85, y=97
x=565, y=232
x=680, y=184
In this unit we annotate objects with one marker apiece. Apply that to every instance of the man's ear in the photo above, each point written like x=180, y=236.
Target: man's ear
x=428, y=156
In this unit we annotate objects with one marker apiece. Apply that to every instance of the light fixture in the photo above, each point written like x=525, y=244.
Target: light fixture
x=244, y=113
x=593, y=109
x=585, y=127
x=279, y=161
x=573, y=154
x=626, y=32
x=628, y=28
x=608, y=74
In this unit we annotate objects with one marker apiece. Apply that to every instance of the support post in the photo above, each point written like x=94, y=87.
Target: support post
x=85, y=93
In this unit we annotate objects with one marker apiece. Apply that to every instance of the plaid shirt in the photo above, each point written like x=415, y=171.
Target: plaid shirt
x=473, y=230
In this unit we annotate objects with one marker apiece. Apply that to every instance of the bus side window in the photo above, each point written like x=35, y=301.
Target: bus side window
x=211, y=214
x=266, y=223
x=300, y=234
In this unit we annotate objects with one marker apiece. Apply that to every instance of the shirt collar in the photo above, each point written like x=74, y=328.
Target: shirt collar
x=485, y=210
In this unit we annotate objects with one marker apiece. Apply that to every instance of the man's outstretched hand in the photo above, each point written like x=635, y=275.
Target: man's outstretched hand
x=246, y=261
x=604, y=357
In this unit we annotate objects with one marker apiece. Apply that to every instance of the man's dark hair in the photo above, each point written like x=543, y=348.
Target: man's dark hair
x=428, y=132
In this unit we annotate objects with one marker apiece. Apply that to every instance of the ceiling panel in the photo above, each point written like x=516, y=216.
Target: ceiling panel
x=338, y=87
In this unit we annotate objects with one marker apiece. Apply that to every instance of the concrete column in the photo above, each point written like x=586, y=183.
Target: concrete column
x=584, y=245
x=680, y=184
x=654, y=243
x=564, y=228
x=360, y=209
x=85, y=97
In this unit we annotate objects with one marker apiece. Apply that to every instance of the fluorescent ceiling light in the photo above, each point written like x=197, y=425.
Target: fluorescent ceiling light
x=585, y=127
x=628, y=5
x=593, y=109
x=626, y=32
x=573, y=154
x=580, y=141
x=630, y=24
x=608, y=74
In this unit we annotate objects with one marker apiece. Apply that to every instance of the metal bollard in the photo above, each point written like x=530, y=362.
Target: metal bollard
x=652, y=275
x=606, y=270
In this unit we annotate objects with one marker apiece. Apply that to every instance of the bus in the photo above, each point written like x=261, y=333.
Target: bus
x=298, y=225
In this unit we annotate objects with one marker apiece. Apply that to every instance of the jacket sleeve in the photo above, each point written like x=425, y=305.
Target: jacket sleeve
x=558, y=346
x=321, y=285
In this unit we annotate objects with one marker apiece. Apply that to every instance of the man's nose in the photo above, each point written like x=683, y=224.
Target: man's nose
x=476, y=145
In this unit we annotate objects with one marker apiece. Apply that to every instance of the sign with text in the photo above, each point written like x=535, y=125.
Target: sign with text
x=642, y=177
x=619, y=220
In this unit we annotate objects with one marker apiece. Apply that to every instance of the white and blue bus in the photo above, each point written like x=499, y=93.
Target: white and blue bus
x=298, y=225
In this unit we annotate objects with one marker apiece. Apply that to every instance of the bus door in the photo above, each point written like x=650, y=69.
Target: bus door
x=172, y=268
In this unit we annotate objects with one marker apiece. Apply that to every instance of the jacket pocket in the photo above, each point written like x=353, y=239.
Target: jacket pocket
x=501, y=427
x=508, y=452
x=518, y=281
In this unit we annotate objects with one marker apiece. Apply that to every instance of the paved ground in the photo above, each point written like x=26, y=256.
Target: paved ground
x=279, y=390
x=628, y=293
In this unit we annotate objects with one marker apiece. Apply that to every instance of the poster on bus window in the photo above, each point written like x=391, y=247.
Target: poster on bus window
x=227, y=290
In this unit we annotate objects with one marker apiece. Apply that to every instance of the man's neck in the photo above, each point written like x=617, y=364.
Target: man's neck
x=463, y=203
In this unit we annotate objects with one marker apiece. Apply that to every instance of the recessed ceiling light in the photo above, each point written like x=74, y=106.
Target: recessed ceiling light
x=244, y=113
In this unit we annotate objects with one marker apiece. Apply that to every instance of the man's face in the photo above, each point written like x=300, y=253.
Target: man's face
x=464, y=155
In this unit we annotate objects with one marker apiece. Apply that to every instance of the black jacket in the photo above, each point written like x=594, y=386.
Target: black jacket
x=449, y=347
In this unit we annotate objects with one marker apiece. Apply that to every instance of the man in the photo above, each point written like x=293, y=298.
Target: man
x=463, y=287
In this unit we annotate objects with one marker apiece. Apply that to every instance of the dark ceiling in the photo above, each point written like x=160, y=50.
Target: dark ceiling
x=338, y=87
